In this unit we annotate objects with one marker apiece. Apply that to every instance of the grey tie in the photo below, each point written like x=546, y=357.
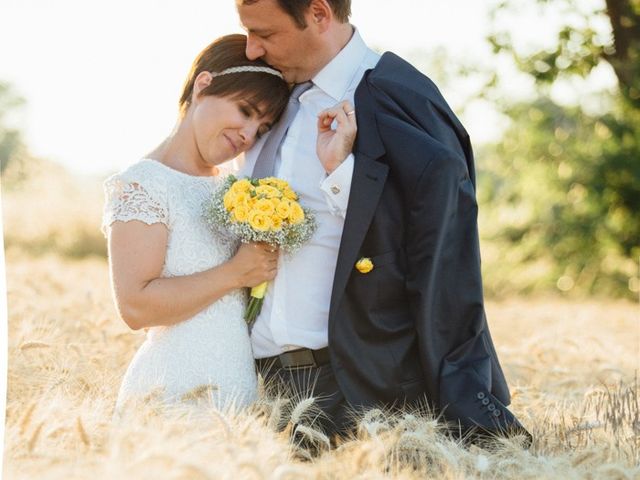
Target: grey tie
x=266, y=161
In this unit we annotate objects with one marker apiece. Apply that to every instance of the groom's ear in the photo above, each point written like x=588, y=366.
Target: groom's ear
x=320, y=14
x=202, y=81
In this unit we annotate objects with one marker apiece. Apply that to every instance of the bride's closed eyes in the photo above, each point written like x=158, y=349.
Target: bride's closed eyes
x=249, y=111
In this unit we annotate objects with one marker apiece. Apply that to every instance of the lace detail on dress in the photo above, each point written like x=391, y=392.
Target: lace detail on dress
x=210, y=352
x=131, y=201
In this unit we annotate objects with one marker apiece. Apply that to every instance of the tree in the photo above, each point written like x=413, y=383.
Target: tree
x=10, y=138
x=563, y=187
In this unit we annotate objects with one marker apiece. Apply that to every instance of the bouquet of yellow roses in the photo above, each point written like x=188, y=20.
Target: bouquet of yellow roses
x=260, y=210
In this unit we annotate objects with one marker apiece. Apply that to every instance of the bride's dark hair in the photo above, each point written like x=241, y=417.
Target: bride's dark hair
x=258, y=88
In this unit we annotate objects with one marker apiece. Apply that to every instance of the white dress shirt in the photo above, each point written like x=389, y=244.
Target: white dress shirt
x=295, y=312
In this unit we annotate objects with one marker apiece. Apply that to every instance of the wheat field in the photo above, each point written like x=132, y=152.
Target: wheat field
x=571, y=365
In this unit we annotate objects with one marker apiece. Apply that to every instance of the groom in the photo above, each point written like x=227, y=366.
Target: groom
x=384, y=306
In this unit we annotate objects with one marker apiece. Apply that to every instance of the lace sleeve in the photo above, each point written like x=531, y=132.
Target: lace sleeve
x=131, y=200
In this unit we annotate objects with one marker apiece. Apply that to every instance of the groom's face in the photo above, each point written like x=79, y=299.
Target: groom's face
x=274, y=36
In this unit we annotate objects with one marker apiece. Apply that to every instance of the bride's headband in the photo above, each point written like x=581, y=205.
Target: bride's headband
x=247, y=68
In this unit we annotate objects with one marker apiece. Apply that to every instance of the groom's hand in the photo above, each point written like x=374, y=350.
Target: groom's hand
x=335, y=145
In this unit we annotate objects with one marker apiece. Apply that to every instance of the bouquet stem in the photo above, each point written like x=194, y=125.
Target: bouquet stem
x=256, y=300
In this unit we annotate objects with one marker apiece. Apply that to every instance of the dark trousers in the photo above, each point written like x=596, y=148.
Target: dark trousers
x=319, y=382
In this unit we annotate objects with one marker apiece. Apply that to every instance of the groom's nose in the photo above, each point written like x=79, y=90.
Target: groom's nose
x=254, y=48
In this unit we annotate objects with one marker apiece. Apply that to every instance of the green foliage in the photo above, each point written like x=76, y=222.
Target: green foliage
x=562, y=189
x=11, y=145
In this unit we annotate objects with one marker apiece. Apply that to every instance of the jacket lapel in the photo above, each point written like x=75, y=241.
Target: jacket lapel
x=367, y=183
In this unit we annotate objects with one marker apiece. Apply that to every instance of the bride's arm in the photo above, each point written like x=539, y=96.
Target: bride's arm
x=144, y=299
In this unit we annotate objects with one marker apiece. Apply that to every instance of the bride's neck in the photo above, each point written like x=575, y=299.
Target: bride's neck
x=180, y=152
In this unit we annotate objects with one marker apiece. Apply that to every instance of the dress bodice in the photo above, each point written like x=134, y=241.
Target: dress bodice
x=213, y=346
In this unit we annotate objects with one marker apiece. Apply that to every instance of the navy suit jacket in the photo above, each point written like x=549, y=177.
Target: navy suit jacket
x=414, y=326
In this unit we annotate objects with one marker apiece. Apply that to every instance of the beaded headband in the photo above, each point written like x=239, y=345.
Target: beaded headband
x=247, y=68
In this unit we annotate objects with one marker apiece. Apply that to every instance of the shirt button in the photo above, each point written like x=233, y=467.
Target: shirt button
x=335, y=189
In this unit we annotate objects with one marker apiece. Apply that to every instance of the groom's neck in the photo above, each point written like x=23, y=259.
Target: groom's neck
x=336, y=39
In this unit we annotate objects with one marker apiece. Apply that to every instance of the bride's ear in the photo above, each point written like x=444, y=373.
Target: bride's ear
x=203, y=80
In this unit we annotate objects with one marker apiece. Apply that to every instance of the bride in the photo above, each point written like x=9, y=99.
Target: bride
x=170, y=274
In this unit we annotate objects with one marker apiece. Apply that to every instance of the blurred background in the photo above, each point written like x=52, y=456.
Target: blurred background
x=549, y=92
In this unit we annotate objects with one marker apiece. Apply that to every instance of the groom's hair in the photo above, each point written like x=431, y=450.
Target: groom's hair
x=297, y=8
x=258, y=88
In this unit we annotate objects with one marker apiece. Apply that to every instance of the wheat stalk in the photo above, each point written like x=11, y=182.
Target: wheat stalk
x=33, y=344
x=82, y=432
x=26, y=419
x=199, y=393
x=313, y=435
x=301, y=408
x=276, y=413
x=34, y=437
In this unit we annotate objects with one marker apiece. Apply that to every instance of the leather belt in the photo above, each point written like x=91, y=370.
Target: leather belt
x=300, y=358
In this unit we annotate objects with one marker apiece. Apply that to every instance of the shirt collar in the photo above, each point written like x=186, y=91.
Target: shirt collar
x=337, y=76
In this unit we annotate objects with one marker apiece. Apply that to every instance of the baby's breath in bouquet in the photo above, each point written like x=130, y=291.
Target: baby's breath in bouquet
x=260, y=210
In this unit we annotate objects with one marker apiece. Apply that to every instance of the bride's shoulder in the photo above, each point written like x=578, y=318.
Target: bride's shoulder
x=146, y=173
x=142, y=170
x=144, y=167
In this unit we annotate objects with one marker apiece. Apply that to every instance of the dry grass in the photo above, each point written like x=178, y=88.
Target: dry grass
x=571, y=367
x=45, y=210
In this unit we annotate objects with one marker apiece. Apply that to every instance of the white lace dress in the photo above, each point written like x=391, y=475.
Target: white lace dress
x=209, y=354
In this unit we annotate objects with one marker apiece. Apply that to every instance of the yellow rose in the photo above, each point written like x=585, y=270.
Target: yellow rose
x=251, y=202
x=240, y=213
x=283, y=209
x=267, y=181
x=241, y=198
x=290, y=194
x=364, y=265
x=259, y=221
x=296, y=215
x=264, y=206
x=274, y=182
x=268, y=191
x=243, y=185
x=229, y=200
x=276, y=222
x=282, y=185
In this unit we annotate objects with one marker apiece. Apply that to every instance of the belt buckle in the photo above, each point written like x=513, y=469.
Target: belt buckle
x=298, y=359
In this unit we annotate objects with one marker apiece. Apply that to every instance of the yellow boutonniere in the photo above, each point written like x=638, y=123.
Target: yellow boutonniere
x=364, y=265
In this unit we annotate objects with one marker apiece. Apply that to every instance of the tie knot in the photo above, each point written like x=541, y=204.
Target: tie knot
x=299, y=89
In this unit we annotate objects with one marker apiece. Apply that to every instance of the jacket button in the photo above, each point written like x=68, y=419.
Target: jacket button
x=480, y=395
x=497, y=413
x=485, y=401
x=491, y=407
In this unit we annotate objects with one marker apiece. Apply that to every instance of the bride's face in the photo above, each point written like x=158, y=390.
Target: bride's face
x=224, y=128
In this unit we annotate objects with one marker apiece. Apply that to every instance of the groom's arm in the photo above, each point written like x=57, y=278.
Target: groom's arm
x=443, y=277
x=444, y=284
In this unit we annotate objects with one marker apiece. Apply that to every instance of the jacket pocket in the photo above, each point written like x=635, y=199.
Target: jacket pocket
x=394, y=256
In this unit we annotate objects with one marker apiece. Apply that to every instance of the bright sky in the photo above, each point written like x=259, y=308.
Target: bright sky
x=102, y=79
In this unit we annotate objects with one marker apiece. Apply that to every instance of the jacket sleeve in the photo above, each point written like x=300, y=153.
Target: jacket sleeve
x=444, y=285
x=443, y=276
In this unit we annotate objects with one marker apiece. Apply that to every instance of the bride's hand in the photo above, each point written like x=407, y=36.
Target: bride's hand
x=334, y=146
x=255, y=263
